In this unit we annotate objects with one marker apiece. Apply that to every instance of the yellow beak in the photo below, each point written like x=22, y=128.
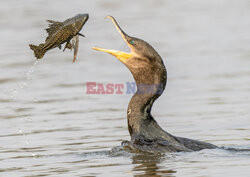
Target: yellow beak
x=122, y=56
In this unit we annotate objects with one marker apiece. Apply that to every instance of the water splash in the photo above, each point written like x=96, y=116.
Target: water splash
x=23, y=84
x=14, y=92
x=31, y=70
x=27, y=142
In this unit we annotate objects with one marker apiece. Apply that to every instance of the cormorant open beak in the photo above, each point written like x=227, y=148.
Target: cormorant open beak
x=122, y=56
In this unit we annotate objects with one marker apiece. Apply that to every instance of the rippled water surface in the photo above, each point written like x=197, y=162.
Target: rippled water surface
x=49, y=126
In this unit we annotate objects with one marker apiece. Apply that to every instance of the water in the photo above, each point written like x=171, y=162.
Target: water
x=51, y=127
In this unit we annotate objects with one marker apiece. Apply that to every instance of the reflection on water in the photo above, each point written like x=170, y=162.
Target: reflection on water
x=148, y=165
x=51, y=127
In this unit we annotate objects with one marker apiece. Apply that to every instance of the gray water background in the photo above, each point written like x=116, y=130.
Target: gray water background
x=49, y=126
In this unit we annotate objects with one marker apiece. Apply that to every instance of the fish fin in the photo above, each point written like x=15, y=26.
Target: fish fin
x=75, y=44
x=52, y=21
x=38, y=50
x=53, y=27
x=81, y=34
x=68, y=45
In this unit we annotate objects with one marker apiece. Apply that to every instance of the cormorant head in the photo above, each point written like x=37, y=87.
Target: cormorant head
x=143, y=61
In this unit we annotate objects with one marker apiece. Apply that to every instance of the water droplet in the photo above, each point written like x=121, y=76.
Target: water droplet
x=29, y=119
x=33, y=155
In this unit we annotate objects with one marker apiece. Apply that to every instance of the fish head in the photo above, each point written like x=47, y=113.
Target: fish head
x=80, y=20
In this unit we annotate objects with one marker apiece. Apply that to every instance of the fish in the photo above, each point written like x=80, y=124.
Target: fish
x=59, y=33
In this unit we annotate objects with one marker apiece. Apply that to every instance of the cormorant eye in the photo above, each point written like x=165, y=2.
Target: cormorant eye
x=132, y=42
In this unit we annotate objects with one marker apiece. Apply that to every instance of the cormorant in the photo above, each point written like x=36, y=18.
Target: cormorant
x=150, y=75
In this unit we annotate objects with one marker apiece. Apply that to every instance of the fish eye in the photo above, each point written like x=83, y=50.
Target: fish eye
x=132, y=42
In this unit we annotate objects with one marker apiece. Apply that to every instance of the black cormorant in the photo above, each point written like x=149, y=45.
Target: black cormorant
x=150, y=75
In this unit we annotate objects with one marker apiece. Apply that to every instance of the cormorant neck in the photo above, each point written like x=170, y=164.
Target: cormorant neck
x=150, y=85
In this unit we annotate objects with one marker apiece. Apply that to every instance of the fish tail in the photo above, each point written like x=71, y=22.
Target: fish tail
x=38, y=50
